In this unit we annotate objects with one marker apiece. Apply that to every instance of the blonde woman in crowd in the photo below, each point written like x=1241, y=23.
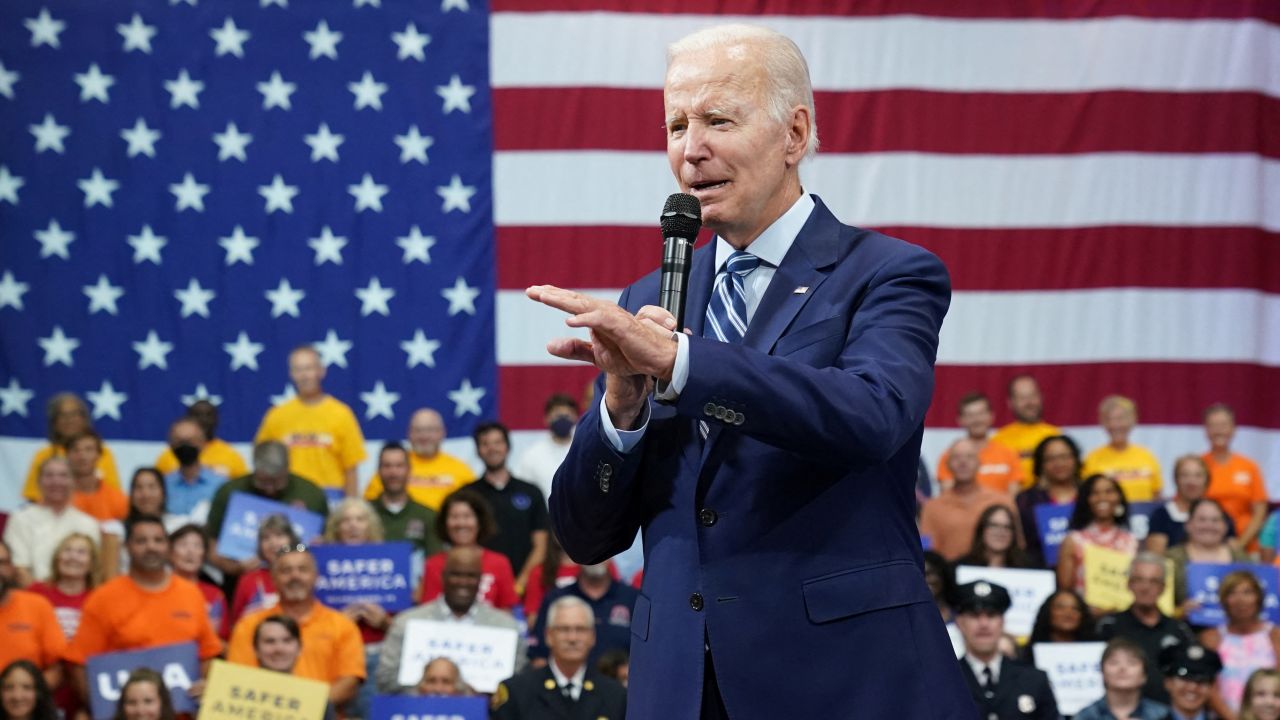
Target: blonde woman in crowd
x=1261, y=696
x=1133, y=466
x=1246, y=642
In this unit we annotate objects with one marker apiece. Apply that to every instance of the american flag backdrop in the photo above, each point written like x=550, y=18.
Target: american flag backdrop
x=385, y=177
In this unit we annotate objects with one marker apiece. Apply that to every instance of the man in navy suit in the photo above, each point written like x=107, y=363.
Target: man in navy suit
x=774, y=478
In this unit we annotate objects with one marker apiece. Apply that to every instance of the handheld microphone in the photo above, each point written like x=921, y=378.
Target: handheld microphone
x=681, y=220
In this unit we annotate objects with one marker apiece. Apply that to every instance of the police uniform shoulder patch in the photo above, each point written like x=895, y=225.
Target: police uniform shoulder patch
x=1026, y=704
x=549, y=684
x=499, y=697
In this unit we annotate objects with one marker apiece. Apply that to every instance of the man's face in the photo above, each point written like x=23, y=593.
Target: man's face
x=492, y=449
x=722, y=144
x=83, y=456
x=270, y=484
x=1188, y=697
x=148, y=547
x=1119, y=422
x=1024, y=400
x=426, y=432
x=393, y=468
x=306, y=372
x=439, y=679
x=963, y=461
x=981, y=631
x=70, y=418
x=1146, y=582
x=1124, y=670
x=187, y=432
x=976, y=418
x=295, y=576
x=1219, y=427
x=571, y=635
x=461, y=581
x=55, y=482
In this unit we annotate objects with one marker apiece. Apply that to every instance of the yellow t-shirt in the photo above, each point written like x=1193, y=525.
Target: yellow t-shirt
x=1023, y=439
x=106, y=470
x=430, y=479
x=1135, y=468
x=217, y=457
x=324, y=439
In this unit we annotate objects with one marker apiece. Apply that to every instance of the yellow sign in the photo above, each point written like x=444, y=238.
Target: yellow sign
x=1106, y=580
x=240, y=692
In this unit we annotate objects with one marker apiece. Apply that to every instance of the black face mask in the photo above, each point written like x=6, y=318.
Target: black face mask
x=561, y=426
x=187, y=454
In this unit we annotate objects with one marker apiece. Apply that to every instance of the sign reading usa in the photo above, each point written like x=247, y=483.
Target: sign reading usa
x=239, y=537
x=379, y=574
x=178, y=664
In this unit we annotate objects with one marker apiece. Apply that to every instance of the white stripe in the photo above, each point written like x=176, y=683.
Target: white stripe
x=627, y=50
x=922, y=189
x=1004, y=328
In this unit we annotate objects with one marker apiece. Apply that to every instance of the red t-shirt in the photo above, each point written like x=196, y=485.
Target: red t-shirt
x=255, y=590
x=216, y=603
x=66, y=608
x=565, y=575
x=497, y=582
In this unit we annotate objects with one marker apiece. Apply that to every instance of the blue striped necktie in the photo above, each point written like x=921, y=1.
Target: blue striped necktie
x=727, y=310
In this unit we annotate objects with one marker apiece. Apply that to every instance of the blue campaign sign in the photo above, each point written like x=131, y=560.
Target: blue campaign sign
x=1140, y=518
x=245, y=512
x=178, y=664
x=409, y=707
x=1203, y=580
x=1052, y=522
x=377, y=573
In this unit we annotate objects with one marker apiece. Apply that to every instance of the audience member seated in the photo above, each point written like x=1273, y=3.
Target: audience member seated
x=277, y=642
x=995, y=541
x=322, y=434
x=1190, y=670
x=148, y=607
x=1167, y=526
x=255, y=590
x=1028, y=428
x=999, y=467
x=271, y=479
x=191, y=485
x=1234, y=480
x=1246, y=642
x=540, y=460
x=188, y=548
x=1133, y=466
x=615, y=664
x=441, y=677
x=216, y=455
x=557, y=570
x=1001, y=687
x=24, y=694
x=1261, y=696
x=433, y=474
x=76, y=571
x=465, y=520
x=568, y=677
x=148, y=496
x=1063, y=617
x=1144, y=624
x=33, y=532
x=941, y=579
x=353, y=522
x=1206, y=542
x=949, y=519
x=460, y=603
x=31, y=630
x=90, y=495
x=1100, y=518
x=403, y=518
x=1055, y=463
x=331, y=647
x=144, y=697
x=519, y=507
x=67, y=415
x=611, y=602
x=1124, y=676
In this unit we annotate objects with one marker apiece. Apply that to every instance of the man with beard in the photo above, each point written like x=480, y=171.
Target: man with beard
x=519, y=507
x=611, y=603
x=433, y=473
x=1028, y=427
x=457, y=604
x=31, y=630
x=146, y=608
x=402, y=518
x=332, y=651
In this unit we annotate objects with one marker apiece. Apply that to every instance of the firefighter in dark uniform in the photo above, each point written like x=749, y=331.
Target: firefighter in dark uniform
x=1002, y=687
x=1190, y=671
x=566, y=688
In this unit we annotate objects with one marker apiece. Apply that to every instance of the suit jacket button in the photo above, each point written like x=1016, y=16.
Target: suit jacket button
x=707, y=517
x=722, y=412
x=604, y=485
x=695, y=602
x=739, y=418
x=709, y=409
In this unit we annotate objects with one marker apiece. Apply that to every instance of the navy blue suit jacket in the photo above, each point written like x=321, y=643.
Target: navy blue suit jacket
x=787, y=539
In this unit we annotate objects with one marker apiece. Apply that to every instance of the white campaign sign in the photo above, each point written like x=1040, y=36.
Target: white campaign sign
x=1075, y=672
x=1028, y=589
x=486, y=656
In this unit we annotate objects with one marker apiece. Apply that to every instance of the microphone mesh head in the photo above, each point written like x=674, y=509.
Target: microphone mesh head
x=681, y=216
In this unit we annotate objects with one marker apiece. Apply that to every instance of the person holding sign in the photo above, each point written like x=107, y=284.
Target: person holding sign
x=1124, y=675
x=1062, y=618
x=255, y=590
x=1206, y=542
x=1056, y=465
x=144, y=697
x=1002, y=688
x=1100, y=517
x=1246, y=642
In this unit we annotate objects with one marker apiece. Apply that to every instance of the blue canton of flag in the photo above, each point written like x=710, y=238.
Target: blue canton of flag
x=190, y=189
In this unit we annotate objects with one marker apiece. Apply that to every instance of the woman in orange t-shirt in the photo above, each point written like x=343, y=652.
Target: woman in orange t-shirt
x=1234, y=480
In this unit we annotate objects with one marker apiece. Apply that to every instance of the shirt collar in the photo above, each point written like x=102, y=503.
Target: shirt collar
x=562, y=679
x=976, y=666
x=776, y=240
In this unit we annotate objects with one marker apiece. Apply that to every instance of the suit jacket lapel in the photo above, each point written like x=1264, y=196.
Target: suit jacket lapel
x=701, y=277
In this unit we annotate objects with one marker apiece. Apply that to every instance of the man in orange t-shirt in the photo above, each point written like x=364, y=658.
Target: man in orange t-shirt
x=1028, y=428
x=999, y=468
x=1235, y=481
x=146, y=608
x=93, y=496
x=332, y=650
x=28, y=626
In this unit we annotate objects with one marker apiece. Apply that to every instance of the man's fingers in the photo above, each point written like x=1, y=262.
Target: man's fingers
x=567, y=300
x=572, y=349
x=657, y=315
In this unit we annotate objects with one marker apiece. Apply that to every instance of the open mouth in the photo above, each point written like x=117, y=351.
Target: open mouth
x=708, y=186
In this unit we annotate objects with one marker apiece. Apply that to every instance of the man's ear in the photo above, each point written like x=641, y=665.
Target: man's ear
x=798, y=130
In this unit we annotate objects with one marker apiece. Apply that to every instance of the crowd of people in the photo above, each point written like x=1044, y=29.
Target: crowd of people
x=92, y=566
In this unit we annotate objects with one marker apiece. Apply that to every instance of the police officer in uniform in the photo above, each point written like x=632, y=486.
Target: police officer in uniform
x=567, y=688
x=1189, y=673
x=1002, y=687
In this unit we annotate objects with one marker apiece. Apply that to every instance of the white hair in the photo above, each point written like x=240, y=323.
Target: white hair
x=568, y=601
x=786, y=81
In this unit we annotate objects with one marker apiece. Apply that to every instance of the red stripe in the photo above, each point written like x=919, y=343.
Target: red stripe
x=1048, y=9
x=1166, y=393
x=920, y=121
x=1030, y=259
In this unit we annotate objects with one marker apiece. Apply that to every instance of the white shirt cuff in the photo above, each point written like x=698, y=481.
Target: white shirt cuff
x=623, y=440
x=679, y=371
